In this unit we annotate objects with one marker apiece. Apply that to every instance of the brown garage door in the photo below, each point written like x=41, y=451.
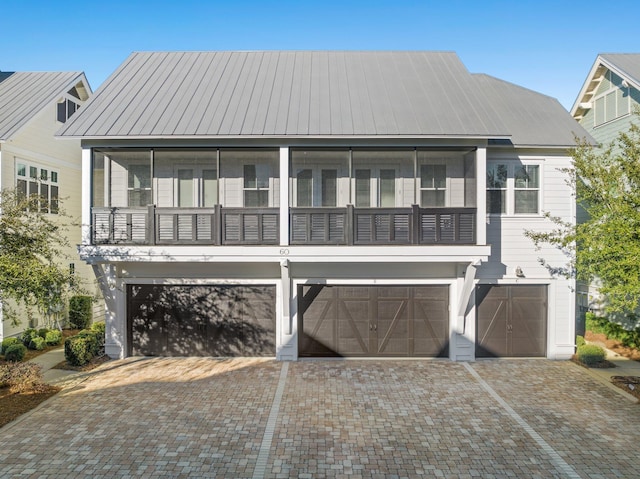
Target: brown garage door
x=201, y=320
x=373, y=321
x=511, y=321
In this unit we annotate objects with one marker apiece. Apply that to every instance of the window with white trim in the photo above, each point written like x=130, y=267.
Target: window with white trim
x=40, y=184
x=614, y=102
x=433, y=185
x=513, y=188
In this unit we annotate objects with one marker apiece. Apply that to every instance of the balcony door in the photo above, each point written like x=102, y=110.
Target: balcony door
x=317, y=186
x=196, y=186
x=375, y=187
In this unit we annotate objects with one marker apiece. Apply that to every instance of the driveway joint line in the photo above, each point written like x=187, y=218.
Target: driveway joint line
x=560, y=464
x=269, y=430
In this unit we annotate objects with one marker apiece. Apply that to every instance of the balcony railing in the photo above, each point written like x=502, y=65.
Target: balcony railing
x=384, y=226
x=186, y=226
x=260, y=226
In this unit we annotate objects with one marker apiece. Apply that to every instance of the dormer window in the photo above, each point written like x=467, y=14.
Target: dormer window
x=66, y=108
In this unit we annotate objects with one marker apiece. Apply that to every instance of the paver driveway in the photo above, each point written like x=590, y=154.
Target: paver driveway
x=260, y=418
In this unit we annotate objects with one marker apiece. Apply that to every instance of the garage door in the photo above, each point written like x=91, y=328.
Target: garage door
x=511, y=321
x=201, y=320
x=373, y=321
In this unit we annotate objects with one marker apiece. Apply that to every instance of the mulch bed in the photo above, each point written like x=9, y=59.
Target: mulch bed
x=630, y=384
x=13, y=405
x=601, y=365
x=613, y=345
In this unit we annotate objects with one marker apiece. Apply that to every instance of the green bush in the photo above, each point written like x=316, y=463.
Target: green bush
x=580, y=341
x=6, y=342
x=53, y=337
x=42, y=332
x=37, y=343
x=590, y=354
x=93, y=340
x=99, y=330
x=28, y=335
x=78, y=350
x=630, y=339
x=22, y=377
x=98, y=327
x=15, y=353
x=80, y=311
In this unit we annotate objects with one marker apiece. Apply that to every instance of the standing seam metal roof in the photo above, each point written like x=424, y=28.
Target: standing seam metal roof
x=24, y=94
x=312, y=94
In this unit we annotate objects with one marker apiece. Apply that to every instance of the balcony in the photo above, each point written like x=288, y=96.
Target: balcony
x=260, y=226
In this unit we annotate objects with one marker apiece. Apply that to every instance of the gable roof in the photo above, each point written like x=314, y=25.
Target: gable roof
x=625, y=65
x=298, y=93
x=24, y=94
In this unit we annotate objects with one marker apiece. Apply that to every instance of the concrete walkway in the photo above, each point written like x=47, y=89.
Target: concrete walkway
x=624, y=367
x=56, y=377
x=257, y=418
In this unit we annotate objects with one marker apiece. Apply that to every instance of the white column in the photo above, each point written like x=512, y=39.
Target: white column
x=86, y=196
x=481, y=196
x=284, y=196
x=106, y=278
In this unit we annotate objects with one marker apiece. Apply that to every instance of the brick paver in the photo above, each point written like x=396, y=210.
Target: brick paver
x=197, y=417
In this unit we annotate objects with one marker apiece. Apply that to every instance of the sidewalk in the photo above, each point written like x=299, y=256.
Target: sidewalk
x=56, y=377
x=624, y=367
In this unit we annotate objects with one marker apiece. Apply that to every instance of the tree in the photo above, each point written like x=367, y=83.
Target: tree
x=606, y=184
x=31, y=253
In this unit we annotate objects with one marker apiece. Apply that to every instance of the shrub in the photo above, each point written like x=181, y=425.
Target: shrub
x=28, y=335
x=630, y=339
x=99, y=330
x=6, y=342
x=42, y=332
x=580, y=341
x=37, y=343
x=15, y=353
x=53, y=337
x=22, y=377
x=93, y=340
x=80, y=311
x=590, y=354
x=98, y=327
x=78, y=350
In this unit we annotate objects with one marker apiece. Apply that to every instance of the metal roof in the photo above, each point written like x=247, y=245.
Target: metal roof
x=300, y=94
x=625, y=65
x=24, y=94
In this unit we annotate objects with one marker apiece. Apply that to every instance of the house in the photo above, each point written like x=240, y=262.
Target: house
x=33, y=105
x=323, y=204
x=605, y=107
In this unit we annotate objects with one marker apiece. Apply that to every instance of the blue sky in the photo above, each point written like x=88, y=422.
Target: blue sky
x=548, y=46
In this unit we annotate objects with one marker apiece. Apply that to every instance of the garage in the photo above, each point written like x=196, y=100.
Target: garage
x=373, y=321
x=185, y=320
x=511, y=321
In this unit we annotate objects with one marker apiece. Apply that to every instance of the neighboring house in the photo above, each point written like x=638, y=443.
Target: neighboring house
x=305, y=204
x=33, y=105
x=605, y=107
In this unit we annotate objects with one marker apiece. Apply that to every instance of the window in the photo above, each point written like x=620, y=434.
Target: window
x=256, y=186
x=496, y=188
x=304, y=188
x=363, y=188
x=433, y=185
x=139, y=185
x=329, y=187
x=513, y=188
x=41, y=184
x=613, y=102
x=66, y=109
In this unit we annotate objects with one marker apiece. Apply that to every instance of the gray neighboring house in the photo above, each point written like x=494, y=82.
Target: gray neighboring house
x=33, y=105
x=324, y=204
x=605, y=107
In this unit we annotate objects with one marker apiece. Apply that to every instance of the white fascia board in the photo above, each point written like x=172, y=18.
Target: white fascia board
x=585, y=85
x=270, y=254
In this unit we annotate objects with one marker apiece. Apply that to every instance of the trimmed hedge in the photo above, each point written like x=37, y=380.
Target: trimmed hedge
x=15, y=353
x=80, y=311
x=37, y=343
x=630, y=339
x=78, y=350
x=590, y=354
x=6, y=342
x=28, y=335
x=53, y=337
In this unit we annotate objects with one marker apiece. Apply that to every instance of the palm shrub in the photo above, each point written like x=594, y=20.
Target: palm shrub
x=37, y=343
x=28, y=335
